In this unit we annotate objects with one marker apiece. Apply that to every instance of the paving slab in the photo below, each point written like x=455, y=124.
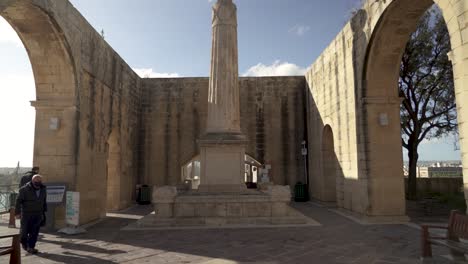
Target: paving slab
x=337, y=240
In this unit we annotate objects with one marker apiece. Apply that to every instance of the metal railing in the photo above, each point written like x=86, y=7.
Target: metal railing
x=7, y=198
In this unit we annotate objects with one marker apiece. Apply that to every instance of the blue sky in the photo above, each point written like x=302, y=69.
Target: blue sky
x=173, y=38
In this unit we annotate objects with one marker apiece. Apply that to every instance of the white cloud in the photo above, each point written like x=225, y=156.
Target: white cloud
x=149, y=73
x=278, y=68
x=8, y=34
x=299, y=30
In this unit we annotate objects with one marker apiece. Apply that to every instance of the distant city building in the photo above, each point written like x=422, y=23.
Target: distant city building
x=438, y=172
x=436, y=169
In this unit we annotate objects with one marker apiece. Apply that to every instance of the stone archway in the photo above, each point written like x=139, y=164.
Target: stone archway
x=329, y=165
x=54, y=73
x=84, y=90
x=379, y=115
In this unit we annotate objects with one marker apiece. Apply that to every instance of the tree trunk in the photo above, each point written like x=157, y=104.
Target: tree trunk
x=413, y=157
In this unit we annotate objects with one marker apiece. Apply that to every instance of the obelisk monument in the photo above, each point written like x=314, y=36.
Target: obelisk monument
x=222, y=198
x=223, y=145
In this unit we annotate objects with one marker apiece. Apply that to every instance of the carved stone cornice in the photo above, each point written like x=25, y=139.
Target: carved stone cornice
x=62, y=103
x=224, y=13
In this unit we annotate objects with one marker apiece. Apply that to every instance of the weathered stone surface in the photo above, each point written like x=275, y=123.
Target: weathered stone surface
x=174, y=118
x=163, y=202
x=222, y=146
x=223, y=92
x=164, y=194
x=223, y=209
x=117, y=130
x=84, y=84
x=234, y=209
x=184, y=210
x=279, y=193
x=350, y=86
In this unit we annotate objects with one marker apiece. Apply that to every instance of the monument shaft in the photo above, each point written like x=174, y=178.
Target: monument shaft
x=222, y=198
x=223, y=93
x=223, y=146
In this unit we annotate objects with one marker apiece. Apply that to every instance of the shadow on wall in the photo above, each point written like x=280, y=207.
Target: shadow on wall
x=326, y=175
x=332, y=100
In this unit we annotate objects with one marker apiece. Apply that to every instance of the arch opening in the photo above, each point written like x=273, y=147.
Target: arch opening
x=55, y=86
x=16, y=114
x=381, y=103
x=329, y=166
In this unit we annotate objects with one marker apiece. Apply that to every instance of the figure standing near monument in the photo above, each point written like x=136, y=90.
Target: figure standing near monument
x=31, y=206
x=27, y=177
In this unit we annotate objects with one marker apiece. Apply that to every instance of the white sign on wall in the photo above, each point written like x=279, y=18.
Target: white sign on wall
x=72, y=212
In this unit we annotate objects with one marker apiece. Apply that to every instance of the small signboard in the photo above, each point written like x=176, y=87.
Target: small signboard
x=72, y=212
x=55, y=193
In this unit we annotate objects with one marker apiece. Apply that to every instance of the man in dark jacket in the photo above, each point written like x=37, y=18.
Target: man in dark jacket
x=28, y=176
x=30, y=207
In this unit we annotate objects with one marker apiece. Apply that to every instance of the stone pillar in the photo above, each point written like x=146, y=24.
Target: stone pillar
x=460, y=74
x=223, y=145
x=55, y=145
x=385, y=183
x=55, y=140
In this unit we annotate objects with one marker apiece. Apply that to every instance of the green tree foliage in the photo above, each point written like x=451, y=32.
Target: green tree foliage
x=426, y=84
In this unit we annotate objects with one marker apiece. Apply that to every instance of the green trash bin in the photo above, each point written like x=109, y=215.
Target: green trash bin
x=300, y=192
x=144, y=195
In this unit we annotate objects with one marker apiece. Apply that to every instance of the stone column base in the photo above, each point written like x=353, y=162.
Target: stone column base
x=222, y=158
x=270, y=207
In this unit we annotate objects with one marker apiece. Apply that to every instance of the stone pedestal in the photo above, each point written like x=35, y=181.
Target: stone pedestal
x=164, y=197
x=222, y=163
x=199, y=209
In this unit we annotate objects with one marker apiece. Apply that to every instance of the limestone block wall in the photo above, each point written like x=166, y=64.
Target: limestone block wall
x=353, y=85
x=174, y=115
x=385, y=31
x=109, y=101
x=368, y=155
x=331, y=101
x=82, y=83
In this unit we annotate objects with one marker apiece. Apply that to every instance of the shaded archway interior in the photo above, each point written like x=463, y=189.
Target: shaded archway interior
x=329, y=165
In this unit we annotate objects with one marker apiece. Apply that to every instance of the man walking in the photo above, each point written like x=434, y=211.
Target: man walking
x=28, y=176
x=30, y=207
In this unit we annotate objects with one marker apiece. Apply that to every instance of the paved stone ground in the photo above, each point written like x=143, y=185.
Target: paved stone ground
x=338, y=240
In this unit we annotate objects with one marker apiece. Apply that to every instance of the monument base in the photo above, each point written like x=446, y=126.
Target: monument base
x=200, y=209
x=222, y=157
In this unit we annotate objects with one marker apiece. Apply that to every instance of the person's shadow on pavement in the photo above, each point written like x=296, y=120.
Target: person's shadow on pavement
x=83, y=247
x=74, y=258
